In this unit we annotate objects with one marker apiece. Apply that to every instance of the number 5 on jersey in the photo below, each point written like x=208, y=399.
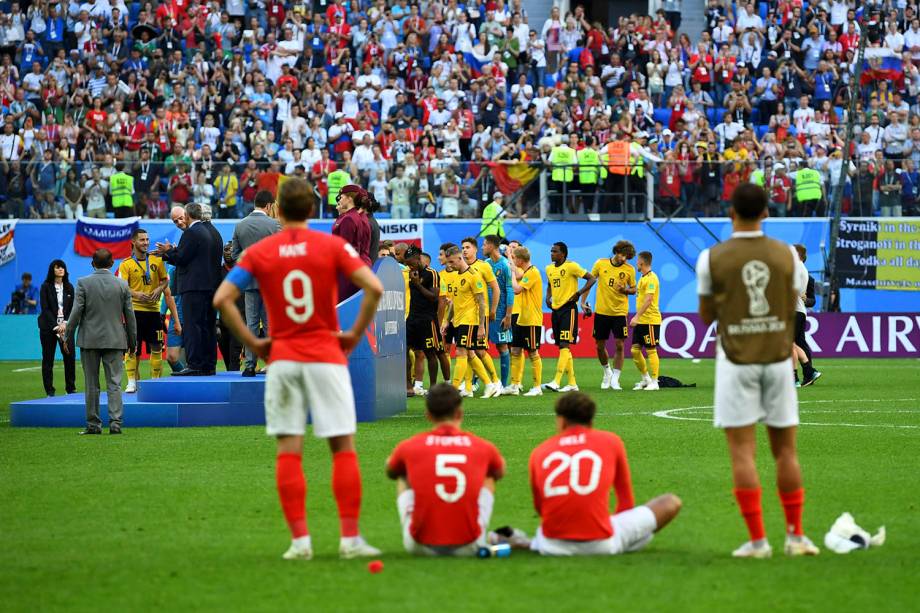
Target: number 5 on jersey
x=445, y=466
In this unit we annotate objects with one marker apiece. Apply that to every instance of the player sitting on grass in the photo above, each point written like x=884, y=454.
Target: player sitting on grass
x=297, y=272
x=571, y=475
x=445, y=481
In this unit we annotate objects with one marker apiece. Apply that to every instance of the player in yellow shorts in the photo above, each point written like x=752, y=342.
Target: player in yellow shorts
x=146, y=277
x=470, y=249
x=646, y=325
x=467, y=313
x=562, y=296
x=616, y=281
x=527, y=330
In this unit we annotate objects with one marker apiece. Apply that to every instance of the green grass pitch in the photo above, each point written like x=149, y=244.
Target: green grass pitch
x=187, y=519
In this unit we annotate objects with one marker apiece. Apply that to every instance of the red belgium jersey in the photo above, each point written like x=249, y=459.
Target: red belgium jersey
x=571, y=475
x=297, y=273
x=446, y=468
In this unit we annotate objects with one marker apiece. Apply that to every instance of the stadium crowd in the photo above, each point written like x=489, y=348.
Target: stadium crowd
x=211, y=102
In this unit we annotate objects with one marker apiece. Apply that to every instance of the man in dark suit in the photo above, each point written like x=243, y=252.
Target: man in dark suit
x=103, y=313
x=253, y=228
x=197, y=258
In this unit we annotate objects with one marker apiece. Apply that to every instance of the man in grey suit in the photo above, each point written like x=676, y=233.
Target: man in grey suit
x=102, y=311
x=253, y=228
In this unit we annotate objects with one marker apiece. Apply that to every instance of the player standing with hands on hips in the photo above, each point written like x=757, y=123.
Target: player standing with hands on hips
x=646, y=325
x=749, y=284
x=297, y=272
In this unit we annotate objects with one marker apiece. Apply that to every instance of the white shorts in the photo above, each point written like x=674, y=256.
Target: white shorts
x=405, y=503
x=750, y=393
x=292, y=389
x=632, y=531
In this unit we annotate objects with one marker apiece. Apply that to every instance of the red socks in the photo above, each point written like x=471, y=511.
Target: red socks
x=346, y=486
x=792, y=506
x=292, y=489
x=749, y=501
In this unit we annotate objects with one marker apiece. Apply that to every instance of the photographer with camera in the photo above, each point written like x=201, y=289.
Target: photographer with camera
x=57, y=296
x=24, y=300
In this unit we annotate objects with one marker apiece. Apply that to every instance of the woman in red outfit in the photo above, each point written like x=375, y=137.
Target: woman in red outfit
x=354, y=227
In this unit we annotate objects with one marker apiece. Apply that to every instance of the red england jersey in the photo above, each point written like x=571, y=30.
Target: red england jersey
x=297, y=273
x=571, y=475
x=445, y=468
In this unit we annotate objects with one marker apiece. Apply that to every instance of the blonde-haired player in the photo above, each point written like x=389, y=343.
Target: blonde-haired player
x=646, y=325
x=469, y=251
x=528, y=328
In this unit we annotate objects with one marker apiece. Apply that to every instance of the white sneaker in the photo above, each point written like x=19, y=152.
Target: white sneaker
x=512, y=390
x=615, y=384
x=475, y=387
x=132, y=386
x=466, y=394
x=653, y=386
x=534, y=391
x=492, y=390
x=800, y=546
x=551, y=386
x=462, y=388
x=569, y=388
x=356, y=547
x=605, y=382
x=296, y=552
x=749, y=550
x=640, y=385
x=419, y=391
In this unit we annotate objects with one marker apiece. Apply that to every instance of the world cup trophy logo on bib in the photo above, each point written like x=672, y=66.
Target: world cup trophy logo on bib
x=756, y=275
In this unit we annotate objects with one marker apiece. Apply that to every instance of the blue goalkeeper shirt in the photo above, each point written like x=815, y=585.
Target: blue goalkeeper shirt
x=502, y=271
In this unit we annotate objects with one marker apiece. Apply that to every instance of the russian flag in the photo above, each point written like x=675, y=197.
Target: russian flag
x=111, y=234
x=881, y=64
x=477, y=60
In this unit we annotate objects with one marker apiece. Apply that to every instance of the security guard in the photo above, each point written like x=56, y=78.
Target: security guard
x=336, y=180
x=121, y=187
x=562, y=159
x=590, y=173
x=809, y=191
x=638, y=154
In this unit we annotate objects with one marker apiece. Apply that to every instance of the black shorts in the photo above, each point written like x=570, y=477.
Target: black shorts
x=526, y=337
x=565, y=324
x=605, y=325
x=646, y=335
x=465, y=336
x=800, y=330
x=484, y=342
x=448, y=337
x=423, y=335
x=149, y=329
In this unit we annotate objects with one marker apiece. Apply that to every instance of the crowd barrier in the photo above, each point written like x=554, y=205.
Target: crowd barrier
x=675, y=244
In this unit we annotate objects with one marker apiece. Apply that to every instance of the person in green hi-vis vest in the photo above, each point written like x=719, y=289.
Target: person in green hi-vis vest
x=809, y=192
x=562, y=160
x=493, y=217
x=590, y=173
x=121, y=188
x=336, y=180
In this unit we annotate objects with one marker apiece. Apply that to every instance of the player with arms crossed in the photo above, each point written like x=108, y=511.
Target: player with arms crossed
x=562, y=296
x=423, y=334
x=749, y=284
x=616, y=281
x=445, y=481
x=470, y=250
x=528, y=326
x=147, y=279
x=467, y=312
x=646, y=325
x=297, y=271
x=571, y=475
x=500, y=331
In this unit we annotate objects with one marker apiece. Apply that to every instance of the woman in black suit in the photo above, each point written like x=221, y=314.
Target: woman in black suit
x=56, y=297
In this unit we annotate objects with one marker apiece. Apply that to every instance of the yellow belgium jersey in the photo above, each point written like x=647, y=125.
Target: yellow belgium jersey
x=609, y=278
x=133, y=272
x=466, y=306
x=563, y=281
x=405, y=273
x=649, y=286
x=516, y=301
x=447, y=280
x=531, y=299
x=485, y=271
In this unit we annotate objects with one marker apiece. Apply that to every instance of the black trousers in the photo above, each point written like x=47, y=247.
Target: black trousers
x=199, y=336
x=230, y=348
x=50, y=342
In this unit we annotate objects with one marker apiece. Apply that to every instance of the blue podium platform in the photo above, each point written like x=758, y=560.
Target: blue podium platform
x=377, y=368
x=223, y=400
